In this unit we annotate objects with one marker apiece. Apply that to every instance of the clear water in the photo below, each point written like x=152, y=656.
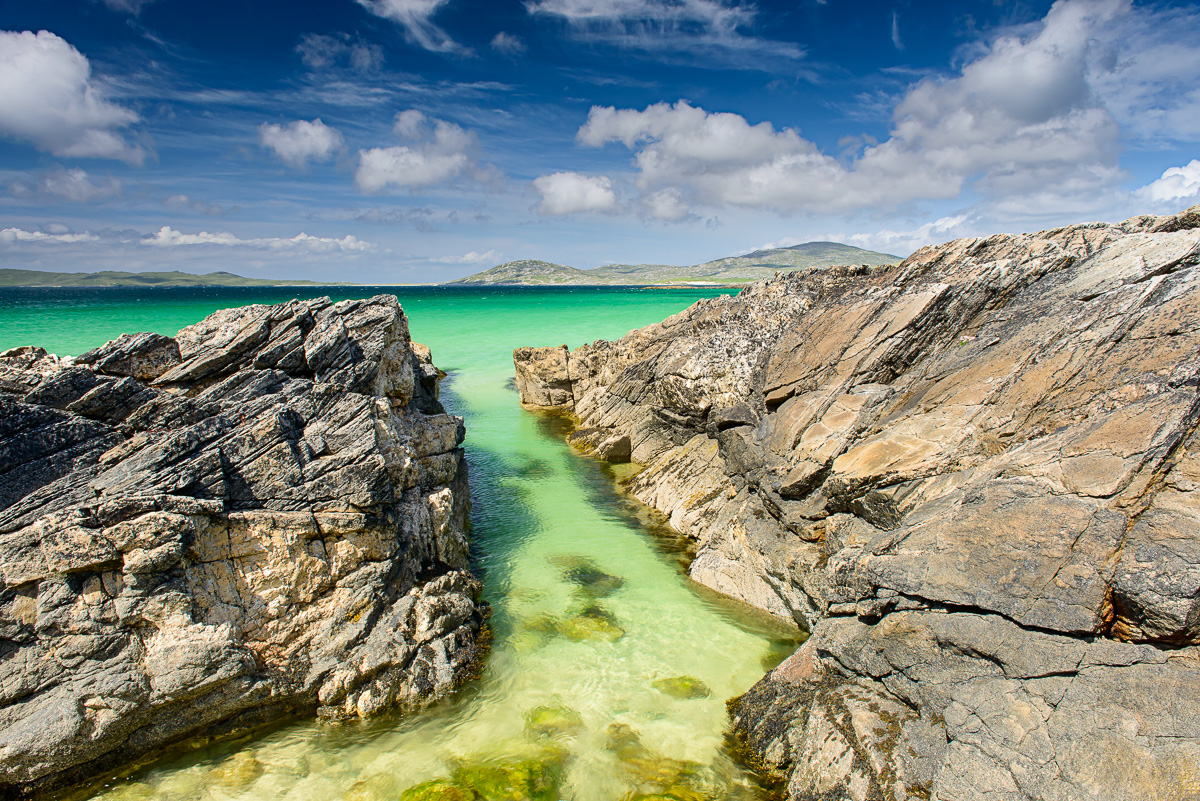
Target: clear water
x=544, y=518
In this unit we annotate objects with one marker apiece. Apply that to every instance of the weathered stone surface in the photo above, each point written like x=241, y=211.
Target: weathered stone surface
x=142, y=356
x=274, y=525
x=998, y=434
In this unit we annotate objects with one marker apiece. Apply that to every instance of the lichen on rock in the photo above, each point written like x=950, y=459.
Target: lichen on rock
x=262, y=516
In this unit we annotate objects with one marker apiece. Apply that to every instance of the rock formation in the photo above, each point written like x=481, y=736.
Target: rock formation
x=261, y=517
x=975, y=476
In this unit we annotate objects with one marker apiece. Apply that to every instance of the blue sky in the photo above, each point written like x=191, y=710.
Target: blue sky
x=403, y=141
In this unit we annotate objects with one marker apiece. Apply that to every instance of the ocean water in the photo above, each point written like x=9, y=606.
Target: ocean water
x=590, y=606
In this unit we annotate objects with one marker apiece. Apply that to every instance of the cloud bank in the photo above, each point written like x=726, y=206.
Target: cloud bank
x=168, y=237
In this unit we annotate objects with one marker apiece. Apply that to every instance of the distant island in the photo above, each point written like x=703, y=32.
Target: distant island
x=111, y=278
x=526, y=272
x=730, y=270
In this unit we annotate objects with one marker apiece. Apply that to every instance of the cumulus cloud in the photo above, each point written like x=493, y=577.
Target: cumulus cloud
x=571, y=193
x=665, y=25
x=1176, y=184
x=167, y=237
x=1018, y=119
x=438, y=152
x=416, y=17
x=508, y=44
x=74, y=186
x=12, y=235
x=321, y=51
x=299, y=141
x=48, y=98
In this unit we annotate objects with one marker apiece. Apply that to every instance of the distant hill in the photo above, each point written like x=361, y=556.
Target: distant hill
x=14, y=278
x=529, y=272
x=730, y=270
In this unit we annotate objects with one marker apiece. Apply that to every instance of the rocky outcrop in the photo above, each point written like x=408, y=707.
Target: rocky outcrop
x=973, y=475
x=260, y=517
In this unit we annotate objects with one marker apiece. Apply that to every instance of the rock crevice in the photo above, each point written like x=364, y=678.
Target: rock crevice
x=972, y=475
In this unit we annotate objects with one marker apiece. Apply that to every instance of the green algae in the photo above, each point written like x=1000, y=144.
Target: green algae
x=682, y=687
x=552, y=721
x=437, y=790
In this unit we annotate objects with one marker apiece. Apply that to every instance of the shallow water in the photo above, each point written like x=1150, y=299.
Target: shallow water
x=589, y=605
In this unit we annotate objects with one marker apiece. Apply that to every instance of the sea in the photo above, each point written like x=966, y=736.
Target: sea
x=621, y=718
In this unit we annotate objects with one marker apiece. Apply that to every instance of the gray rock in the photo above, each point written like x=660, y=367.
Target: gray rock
x=275, y=525
x=142, y=356
x=971, y=476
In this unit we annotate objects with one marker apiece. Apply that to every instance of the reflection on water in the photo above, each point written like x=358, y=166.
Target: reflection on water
x=609, y=670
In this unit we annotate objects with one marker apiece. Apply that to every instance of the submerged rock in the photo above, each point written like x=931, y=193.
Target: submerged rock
x=259, y=517
x=654, y=775
x=236, y=770
x=552, y=721
x=973, y=475
x=593, y=623
x=436, y=790
x=537, y=776
x=683, y=687
x=591, y=580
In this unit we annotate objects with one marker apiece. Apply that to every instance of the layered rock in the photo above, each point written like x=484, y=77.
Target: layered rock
x=973, y=475
x=262, y=516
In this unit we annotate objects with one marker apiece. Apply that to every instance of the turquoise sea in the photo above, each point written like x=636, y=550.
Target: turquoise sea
x=540, y=511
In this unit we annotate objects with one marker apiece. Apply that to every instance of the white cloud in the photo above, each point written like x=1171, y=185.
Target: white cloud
x=320, y=51
x=1019, y=120
x=1143, y=67
x=1177, y=183
x=472, y=257
x=508, y=44
x=416, y=18
x=571, y=192
x=440, y=151
x=128, y=6
x=903, y=243
x=73, y=185
x=11, y=235
x=683, y=25
x=181, y=201
x=169, y=237
x=48, y=98
x=668, y=204
x=299, y=141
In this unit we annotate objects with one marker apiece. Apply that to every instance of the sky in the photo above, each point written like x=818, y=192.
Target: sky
x=414, y=141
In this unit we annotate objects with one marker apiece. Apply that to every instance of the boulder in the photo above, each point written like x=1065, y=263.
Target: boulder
x=261, y=517
x=948, y=469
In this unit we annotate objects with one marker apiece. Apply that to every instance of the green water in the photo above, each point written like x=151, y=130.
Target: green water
x=543, y=519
